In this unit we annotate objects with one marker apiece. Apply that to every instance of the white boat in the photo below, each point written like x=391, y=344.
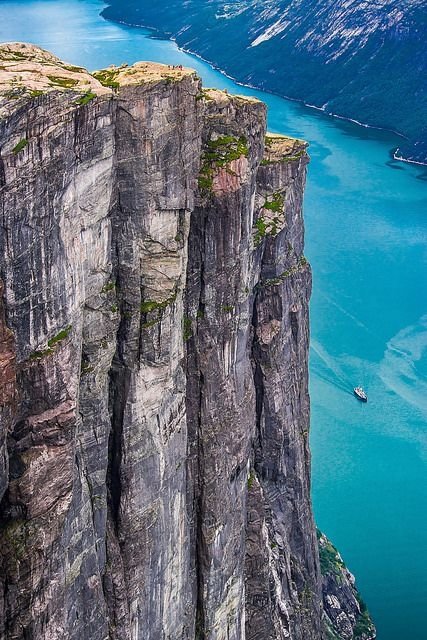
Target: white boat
x=360, y=394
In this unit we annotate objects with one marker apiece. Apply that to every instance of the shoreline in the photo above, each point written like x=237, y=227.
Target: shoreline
x=164, y=36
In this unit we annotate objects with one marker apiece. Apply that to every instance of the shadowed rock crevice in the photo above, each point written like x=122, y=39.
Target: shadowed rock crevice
x=119, y=390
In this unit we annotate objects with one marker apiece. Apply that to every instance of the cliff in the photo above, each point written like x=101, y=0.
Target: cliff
x=365, y=61
x=154, y=467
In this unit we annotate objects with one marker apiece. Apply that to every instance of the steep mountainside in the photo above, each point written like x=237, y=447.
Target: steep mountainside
x=155, y=469
x=361, y=60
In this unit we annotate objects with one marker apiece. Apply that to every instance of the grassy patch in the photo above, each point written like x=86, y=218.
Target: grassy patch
x=87, y=97
x=21, y=145
x=71, y=67
x=251, y=479
x=14, y=94
x=108, y=286
x=330, y=633
x=294, y=157
x=14, y=536
x=107, y=77
x=187, y=330
x=51, y=344
x=152, y=305
x=62, y=335
x=363, y=627
x=217, y=154
x=264, y=227
x=65, y=83
x=302, y=262
x=275, y=204
x=35, y=93
x=269, y=226
x=260, y=231
x=12, y=56
x=154, y=310
x=38, y=355
x=203, y=95
x=330, y=560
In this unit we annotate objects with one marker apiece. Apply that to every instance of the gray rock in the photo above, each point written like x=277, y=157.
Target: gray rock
x=154, y=410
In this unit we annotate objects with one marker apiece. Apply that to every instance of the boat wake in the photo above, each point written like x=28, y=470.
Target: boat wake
x=401, y=367
x=334, y=374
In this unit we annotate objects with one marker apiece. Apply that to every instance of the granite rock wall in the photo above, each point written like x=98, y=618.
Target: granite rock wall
x=154, y=410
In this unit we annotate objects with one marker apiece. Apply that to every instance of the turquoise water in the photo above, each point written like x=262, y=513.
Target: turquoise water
x=366, y=239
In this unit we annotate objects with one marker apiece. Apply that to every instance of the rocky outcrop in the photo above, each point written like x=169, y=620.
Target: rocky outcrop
x=345, y=613
x=153, y=353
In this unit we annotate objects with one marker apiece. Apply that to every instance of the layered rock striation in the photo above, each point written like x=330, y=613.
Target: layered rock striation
x=154, y=459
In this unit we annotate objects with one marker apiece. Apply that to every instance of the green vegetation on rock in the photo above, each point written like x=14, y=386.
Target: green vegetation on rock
x=38, y=355
x=186, y=328
x=363, y=627
x=330, y=560
x=280, y=155
x=203, y=95
x=251, y=479
x=260, y=230
x=59, y=336
x=275, y=204
x=150, y=307
x=71, y=67
x=87, y=97
x=65, y=83
x=51, y=344
x=299, y=266
x=266, y=226
x=13, y=56
x=21, y=145
x=108, y=286
x=217, y=154
x=14, y=535
x=107, y=77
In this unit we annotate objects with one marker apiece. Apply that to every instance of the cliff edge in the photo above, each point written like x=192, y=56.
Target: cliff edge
x=154, y=408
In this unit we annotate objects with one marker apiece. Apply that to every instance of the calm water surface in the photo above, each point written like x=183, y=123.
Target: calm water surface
x=366, y=239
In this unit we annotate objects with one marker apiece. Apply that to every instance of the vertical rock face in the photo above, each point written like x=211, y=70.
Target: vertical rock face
x=285, y=602
x=221, y=394
x=154, y=462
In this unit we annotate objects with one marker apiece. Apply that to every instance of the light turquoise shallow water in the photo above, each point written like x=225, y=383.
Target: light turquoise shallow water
x=366, y=239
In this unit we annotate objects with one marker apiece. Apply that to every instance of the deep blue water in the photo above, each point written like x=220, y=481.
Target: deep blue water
x=366, y=239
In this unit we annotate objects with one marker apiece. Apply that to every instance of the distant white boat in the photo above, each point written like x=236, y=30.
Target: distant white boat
x=360, y=394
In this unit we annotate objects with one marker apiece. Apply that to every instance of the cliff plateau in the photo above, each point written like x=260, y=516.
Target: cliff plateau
x=154, y=408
